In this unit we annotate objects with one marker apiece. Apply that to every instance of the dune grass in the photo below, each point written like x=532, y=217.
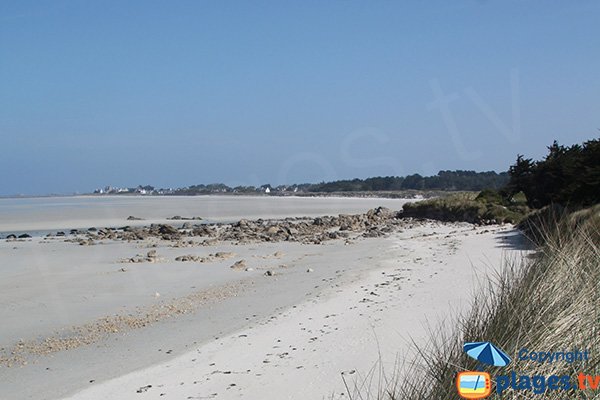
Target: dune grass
x=548, y=302
x=483, y=208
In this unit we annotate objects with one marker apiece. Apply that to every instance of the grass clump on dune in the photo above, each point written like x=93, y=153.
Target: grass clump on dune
x=549, y=303
x=487, y=207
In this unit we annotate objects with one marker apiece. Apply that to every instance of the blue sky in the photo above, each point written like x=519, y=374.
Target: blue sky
x=173, y=93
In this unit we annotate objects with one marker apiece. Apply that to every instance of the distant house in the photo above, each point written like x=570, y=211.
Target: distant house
x=266, y=188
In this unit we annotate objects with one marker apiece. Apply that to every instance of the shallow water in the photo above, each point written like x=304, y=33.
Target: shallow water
x=49, y=214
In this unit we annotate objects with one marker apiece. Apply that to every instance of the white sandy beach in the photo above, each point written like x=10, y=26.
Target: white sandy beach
x=189, y=330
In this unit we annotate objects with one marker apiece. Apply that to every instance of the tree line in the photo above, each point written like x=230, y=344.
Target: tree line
x=444, y=180
x=568, y=175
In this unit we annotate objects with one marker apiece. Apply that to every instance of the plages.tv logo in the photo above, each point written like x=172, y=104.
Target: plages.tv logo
x=474, y=385
x=478, y=384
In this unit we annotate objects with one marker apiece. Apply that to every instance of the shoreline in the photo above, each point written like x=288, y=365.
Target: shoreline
x=165, y=246
x=46, y=214
x=342, y=329
x=381, y=194
x=350, y=273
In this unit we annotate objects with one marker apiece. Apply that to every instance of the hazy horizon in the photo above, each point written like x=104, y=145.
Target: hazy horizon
x=247, y=93
x=136, y=185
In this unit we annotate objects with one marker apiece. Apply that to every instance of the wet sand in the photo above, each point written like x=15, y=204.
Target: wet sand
x=65, y=213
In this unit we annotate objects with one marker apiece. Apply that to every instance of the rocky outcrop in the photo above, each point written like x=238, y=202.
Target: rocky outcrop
x=151, y=257
x=375, y=223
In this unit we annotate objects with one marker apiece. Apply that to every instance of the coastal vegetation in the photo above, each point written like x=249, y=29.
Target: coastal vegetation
x=545, y=301
x=444, y=181
x=568, y=175
x=487, y=207
x=567, y=178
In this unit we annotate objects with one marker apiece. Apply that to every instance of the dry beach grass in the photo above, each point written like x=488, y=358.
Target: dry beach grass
x=549, y=303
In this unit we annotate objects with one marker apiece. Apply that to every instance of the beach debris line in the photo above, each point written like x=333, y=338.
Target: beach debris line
x=83, y=335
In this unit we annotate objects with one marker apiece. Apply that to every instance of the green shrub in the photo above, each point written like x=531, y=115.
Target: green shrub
x=519, y=199
x=490, y=196
x=484, y=208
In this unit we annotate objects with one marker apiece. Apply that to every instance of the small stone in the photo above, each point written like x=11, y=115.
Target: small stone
x=188, y=257
x=143, y=389
x=241, y=264
x=224, y=254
